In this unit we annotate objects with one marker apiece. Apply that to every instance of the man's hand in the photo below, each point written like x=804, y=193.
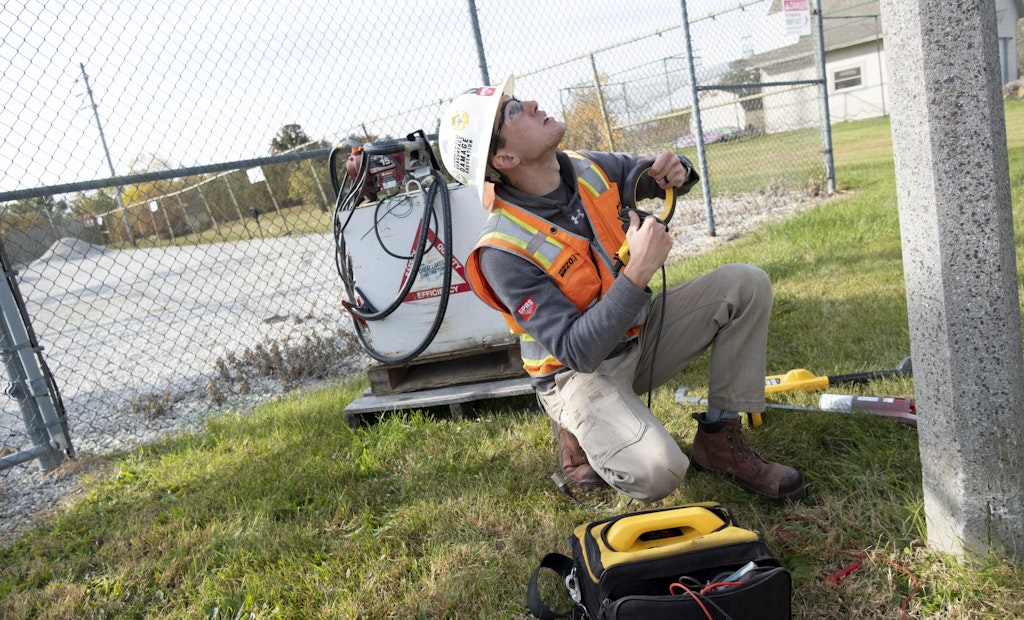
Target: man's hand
x=668, y=171
x=649, y=245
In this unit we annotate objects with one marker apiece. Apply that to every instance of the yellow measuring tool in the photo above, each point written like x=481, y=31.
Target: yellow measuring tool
x=802, y=380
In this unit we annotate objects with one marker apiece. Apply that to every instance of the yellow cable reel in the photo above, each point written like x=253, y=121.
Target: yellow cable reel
x=629, y=203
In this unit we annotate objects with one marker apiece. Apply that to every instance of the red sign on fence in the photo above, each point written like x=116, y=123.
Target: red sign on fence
x=798, y=17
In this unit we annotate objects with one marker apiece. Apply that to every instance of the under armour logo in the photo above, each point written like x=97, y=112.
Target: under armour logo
x=577, y=217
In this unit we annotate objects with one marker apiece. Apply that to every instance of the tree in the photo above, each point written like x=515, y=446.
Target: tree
x=357, y=139
x=139, y=197
x=279, y=176
x=743, y=80
x=42, y=211
x=585, y=122
x=93, y=204
x=87, y=207
x=309, y=181
x=747, y=78
x=46, y=206
x=288, y=138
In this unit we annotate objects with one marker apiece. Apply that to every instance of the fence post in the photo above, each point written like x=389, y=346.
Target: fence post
x=184, y=213
x=479, y=43
x=29, y=385
x=826, y=123
x=702, y=160
x=206, y=204
x=167, y=218
x=959, y=258
x=604, y=109
x=238, y=209
x=106, y=150
x=319, y=186
x=277, y=209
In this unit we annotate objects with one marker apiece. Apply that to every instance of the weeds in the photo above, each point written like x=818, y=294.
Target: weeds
x=315, y=357
x=153, y=406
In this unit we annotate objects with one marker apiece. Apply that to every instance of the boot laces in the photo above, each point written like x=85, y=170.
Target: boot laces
x=740, y=448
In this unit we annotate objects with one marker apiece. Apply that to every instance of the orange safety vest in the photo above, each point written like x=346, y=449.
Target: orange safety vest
x=583, y=276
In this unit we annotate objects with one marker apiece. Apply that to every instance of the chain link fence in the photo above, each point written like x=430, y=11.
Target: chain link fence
x=166, y=203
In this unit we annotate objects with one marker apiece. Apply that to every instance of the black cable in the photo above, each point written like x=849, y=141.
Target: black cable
x=379, y=212
x=657, y=340
x=654, y=353
x=370, y=314
x=445, y=286
x=347, y=201
x=629, y=203
x=332, y=168
x=365, y=310
x=378, y=218
x=344, y=201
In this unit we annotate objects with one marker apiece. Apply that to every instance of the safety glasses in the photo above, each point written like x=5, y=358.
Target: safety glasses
x=509, y=111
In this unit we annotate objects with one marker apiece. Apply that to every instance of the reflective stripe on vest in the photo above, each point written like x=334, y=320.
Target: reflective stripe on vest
x=506, y=227
x=590, y=177
x=536, y=359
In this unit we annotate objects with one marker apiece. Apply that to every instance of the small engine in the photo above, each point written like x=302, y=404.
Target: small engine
x=390, y=162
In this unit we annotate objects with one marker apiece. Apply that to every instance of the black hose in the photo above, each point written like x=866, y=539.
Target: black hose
x=442, y=305
x=346, y=201
x=414, y=267
x=341, y=203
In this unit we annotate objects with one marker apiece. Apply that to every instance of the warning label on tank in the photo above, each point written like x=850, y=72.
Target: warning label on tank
x=430, y=277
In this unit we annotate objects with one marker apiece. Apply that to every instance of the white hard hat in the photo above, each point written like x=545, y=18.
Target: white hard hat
x=464, y=137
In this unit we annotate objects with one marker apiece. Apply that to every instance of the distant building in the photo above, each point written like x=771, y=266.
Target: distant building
x=854, y=64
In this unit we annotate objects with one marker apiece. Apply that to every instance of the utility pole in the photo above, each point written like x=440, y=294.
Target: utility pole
x=103, y=140
x=479, y=42
x=960, y=267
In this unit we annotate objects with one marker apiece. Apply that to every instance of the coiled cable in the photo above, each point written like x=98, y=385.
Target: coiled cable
x=347, y=198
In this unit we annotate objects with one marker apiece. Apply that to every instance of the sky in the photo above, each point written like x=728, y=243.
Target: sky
x=191, y=83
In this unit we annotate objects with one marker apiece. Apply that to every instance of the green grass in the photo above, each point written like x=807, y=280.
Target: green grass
x=286, y=512
x=731, y=172
x=301, y=220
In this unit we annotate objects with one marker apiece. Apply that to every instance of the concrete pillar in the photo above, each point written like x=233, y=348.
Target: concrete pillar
x=952, y=179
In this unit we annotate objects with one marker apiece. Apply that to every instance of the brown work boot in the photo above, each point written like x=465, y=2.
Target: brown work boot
x=720, y=447
x=573, y=459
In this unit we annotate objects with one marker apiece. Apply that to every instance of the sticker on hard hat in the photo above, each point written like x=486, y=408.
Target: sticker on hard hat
x=460, y=120
x=463, y=153
x=486, y=91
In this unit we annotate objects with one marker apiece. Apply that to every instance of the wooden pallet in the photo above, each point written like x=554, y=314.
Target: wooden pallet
x=456, y=379
x=458, y=398
x=453, y=368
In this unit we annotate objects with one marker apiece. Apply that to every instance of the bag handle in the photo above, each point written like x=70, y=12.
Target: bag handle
x=564, y=566
x=661, y=528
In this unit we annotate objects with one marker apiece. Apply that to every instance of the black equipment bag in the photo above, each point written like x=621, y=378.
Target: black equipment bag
x=687, y=562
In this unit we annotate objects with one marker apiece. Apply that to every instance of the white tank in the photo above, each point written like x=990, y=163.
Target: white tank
x=380, y=239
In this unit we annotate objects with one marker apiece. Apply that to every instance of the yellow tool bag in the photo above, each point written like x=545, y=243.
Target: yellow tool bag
x=687, y=562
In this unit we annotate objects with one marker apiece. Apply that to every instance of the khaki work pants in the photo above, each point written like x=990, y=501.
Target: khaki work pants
x=727, y=310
